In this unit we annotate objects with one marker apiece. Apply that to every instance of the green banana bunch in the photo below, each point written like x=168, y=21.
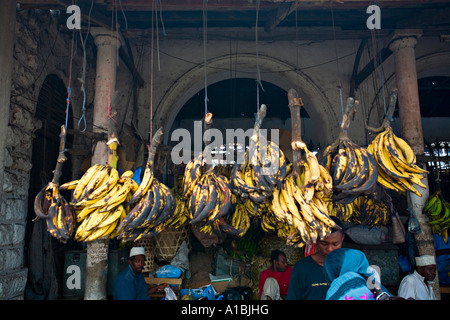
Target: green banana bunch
x=438, y=210
x=397, y=169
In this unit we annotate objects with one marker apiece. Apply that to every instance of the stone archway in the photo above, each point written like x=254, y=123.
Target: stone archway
x=272, y=70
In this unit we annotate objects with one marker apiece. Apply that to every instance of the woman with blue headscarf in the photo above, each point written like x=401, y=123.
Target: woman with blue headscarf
x=350, y=276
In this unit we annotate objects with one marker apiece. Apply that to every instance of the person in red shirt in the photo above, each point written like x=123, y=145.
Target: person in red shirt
x=274, y=281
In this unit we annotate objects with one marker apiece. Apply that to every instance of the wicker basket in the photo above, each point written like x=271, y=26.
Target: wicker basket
x=269, y=243
x=149, y=256
x=167, y=242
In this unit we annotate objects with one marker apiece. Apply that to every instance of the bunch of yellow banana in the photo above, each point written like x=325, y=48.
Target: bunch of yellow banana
x=438, y=210
x=99, y=198
x=370, y=212
x=270, y=223
x=181, y=214
x=150, y=215
x=396, y=161
x=50, y=205
x=191, y=176
x=60, y=216
x=210, y=199
x=352, y=168
x=297, y=205
x=342, y=211
x=241, y=218
x=264, y=167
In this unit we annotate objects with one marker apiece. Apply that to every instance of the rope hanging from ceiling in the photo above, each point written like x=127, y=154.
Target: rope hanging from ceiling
x=337, y=59
x=258, y=73
x=205, y=40
x=82, y=120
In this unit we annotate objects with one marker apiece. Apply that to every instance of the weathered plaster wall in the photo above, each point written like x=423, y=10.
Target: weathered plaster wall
x=39, y=49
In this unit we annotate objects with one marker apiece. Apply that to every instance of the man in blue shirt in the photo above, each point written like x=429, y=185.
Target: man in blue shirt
x=130, y=283
x=308, y=281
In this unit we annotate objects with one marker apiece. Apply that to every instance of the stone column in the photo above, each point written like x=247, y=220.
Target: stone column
x=7, y=24
x=403, y=45
x=107, y=44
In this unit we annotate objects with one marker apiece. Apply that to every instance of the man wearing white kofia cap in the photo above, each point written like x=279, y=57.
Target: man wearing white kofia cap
x=130, y=283
x=417, y=285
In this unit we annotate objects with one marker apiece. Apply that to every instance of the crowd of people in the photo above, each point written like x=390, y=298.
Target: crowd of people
x=331, y=273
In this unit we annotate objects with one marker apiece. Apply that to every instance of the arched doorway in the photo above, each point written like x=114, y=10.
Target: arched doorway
x=51, y=111
x=234, y=103
x=274, y=71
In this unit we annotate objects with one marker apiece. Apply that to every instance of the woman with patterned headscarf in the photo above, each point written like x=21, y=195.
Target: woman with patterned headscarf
x=350, y=276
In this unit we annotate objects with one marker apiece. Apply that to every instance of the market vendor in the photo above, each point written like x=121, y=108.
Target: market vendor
x=308, y=281
x=130, y=283
x=274, y=281
x=417, y=285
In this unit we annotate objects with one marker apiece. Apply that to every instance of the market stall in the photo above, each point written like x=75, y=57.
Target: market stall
x=210, y=234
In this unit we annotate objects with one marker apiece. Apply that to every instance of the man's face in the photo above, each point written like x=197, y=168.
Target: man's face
x=428, y=272
x=280, y=264
x=331, y=242
x=137, y=263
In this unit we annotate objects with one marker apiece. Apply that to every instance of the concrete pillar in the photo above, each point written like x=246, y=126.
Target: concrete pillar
x=107, y=43
x=403, y=44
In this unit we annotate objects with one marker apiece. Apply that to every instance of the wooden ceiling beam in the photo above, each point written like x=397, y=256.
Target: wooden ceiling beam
x=232, y=5
x=281, y=12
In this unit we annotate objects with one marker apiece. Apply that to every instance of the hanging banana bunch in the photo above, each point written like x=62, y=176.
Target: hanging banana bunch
x=263, y=167
x=352, y=168
x=396, y=161
x=207, y=193
x=50, y=205
x=181, y=215
x=438, y=210
x=101, y=206
x=153, y=203
x=98, y=197
x=299, y=201
x=371, y=212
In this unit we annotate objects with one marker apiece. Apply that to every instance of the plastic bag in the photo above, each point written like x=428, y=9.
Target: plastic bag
x=181, y=259
x=413, y=223
x=362, y=234
x=170, y=295
x=168, y=271
x=403, y=263
x=206, y=292
x=398, y=231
